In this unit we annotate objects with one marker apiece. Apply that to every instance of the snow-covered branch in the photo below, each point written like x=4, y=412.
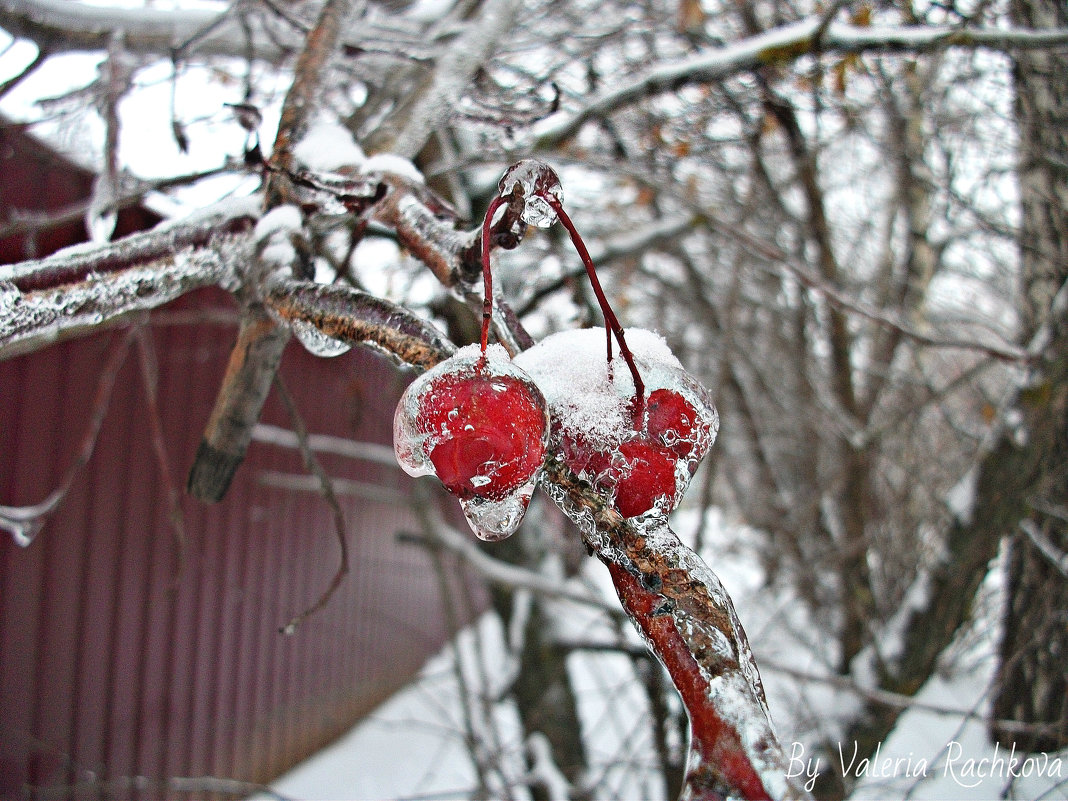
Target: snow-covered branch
x=61, y=25
x=782, y=45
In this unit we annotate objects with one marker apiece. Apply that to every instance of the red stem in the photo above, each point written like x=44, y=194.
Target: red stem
x=487, y=301
x=610, y=319
x=717, y=750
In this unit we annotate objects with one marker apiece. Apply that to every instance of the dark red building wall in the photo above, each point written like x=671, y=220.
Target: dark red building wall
x=124, y=653
x=35, y=181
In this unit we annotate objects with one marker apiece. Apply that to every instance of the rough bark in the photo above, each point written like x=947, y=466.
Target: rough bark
x=1032, y=680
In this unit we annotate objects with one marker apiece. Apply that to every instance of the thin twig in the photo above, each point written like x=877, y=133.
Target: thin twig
x=326, y=489
x=150, y=379
x=24, y=522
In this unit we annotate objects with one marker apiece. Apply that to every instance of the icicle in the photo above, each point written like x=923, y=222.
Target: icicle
x=316, y=342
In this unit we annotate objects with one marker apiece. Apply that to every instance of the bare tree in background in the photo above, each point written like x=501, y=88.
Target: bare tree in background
x=796, y=196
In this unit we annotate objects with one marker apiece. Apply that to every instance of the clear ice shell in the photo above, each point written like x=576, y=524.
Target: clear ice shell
x=536, y=180
x=538, y=212
x=490, y=520
x=493, y=521
x=316, y=342
x=408, y=440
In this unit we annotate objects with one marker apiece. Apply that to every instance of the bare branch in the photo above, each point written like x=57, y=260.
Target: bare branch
x=326, y=490
x=781, y=45
x=24, y=522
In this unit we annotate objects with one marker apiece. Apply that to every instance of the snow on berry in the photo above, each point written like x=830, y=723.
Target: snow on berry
x=642, y=464
x=480, y=425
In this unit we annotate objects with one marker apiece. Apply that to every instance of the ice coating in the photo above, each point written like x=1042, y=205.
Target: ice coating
x=493, y=521
x=644, y=465
x=535, y=180
x=481, y=426
x=316, y=342
x=9, y=296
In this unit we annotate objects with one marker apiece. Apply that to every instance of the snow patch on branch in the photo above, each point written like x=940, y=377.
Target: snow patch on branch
x=327, y=147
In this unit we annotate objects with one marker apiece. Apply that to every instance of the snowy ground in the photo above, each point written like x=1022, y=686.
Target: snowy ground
x=413, y=746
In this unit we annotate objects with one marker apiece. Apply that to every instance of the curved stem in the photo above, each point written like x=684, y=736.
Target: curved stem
x=611, y=322
x=487, y=302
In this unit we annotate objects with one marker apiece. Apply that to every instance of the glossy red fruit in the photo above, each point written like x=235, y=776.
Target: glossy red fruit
x=672, y=421
x=485, y=433
x=644, y=475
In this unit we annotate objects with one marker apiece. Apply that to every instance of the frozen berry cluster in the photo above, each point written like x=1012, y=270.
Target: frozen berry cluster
x=483, y=422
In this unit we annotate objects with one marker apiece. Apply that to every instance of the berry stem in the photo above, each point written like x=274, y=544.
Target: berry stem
x=610, y=320
x=487, y=301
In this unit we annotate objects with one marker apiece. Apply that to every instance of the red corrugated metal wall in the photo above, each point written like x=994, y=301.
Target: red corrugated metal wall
x=114, y=664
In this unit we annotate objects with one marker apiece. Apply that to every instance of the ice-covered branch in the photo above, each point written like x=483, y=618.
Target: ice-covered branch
x=43, y=300
x=688, y=620
x=357, y=318
x=783, y=45
x=432, y=105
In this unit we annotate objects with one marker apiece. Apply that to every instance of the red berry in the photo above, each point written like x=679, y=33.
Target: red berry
x=672, y=421
x=485, y=432
x=643, y=473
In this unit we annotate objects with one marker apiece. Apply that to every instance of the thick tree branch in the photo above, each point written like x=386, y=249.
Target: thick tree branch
x=258, y=353
x=48, y=299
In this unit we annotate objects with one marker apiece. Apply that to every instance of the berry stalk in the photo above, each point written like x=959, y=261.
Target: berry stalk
x=487, y=279
x=611, y=321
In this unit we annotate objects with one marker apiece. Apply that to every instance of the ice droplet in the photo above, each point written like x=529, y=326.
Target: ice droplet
x=22, y=532
x=316, y=342
x=536, y=181
x=538, y=212
x=9, y=296
x=496, y=520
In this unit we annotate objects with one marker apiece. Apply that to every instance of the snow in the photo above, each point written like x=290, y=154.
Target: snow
x=571, y=370
x=327, y=147
x=412, y=746
x=961, y=497
x=389, y=162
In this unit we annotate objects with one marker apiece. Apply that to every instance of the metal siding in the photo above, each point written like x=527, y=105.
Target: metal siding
x=114, y=665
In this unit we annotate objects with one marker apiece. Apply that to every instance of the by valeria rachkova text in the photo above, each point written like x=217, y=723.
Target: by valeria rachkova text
x=952, y=763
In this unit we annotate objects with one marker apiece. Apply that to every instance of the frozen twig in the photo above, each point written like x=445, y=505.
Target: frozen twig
x=357, y=318
x=24, y=522
x=326, y=489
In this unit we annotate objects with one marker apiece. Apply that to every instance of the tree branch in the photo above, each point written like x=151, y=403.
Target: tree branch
x=781, y=45
x=689, y=622
x=47, y=299
x=255, y=359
